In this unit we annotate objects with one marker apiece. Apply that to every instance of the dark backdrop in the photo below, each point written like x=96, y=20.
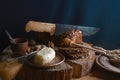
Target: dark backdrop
x=96, y=13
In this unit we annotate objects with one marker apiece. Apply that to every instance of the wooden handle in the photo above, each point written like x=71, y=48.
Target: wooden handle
x=40, y=27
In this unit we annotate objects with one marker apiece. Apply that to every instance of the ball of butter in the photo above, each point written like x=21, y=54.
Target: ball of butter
x=44, y=56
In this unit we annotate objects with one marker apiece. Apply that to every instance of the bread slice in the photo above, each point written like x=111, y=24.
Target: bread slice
x=74, y=52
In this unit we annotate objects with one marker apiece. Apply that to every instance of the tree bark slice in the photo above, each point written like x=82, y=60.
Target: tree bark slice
x=82, y=67
x=61, y=72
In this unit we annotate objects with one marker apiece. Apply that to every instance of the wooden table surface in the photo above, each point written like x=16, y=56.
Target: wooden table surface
x=99, y=73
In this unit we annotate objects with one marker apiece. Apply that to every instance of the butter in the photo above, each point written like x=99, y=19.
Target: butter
x=44, y=56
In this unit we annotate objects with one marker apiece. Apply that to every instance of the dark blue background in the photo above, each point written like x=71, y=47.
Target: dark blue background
x=96, y=13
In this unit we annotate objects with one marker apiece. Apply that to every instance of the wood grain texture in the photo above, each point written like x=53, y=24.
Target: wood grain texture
x=82, y=67
x=62, y=72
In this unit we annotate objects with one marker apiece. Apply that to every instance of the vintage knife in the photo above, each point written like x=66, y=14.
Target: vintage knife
x=59, y=28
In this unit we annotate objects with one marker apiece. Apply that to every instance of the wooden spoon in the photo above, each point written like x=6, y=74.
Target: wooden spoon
x=10, y=37
x=115, y=54
x=94, y=49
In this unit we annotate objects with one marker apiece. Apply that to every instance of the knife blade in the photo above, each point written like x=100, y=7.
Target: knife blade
x=86, y=31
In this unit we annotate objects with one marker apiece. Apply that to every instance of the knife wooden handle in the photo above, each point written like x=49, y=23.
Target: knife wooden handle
x=40, y=27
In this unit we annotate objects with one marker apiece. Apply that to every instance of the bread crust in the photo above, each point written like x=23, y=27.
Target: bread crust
x=70, y=36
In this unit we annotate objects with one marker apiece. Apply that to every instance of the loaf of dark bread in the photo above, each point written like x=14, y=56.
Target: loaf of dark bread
x=74, y=52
